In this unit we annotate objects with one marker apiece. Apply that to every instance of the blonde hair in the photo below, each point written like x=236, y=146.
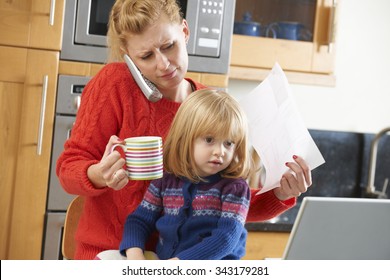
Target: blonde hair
x=133, y=17
x=207, y=112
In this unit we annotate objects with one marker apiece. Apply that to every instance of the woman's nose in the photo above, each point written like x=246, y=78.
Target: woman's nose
x=162, y=62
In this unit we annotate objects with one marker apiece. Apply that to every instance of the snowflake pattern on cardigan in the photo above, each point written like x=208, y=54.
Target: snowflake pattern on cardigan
x=205, y=202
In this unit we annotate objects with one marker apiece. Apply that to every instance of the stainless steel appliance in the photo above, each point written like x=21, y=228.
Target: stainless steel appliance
x=210, y=23
x=68, y=99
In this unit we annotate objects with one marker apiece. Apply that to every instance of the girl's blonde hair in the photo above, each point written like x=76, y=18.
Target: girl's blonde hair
x=207, y=112
x=133, y=17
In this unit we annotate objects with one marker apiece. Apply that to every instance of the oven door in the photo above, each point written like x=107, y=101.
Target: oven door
x=58, y=199
x=77, y=21
x=52, y=247
x=91, y=22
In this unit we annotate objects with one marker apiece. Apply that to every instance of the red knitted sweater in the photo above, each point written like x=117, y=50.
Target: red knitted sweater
x=112, y=104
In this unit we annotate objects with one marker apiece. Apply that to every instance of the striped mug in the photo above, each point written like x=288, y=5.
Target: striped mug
x=144, y=157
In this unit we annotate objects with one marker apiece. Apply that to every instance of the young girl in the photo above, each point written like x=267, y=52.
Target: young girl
x=200, y=205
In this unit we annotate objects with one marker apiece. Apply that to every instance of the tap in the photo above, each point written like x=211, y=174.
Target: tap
x=370, y=189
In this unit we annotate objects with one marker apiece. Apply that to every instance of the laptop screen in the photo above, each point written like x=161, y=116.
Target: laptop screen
x=332, y=228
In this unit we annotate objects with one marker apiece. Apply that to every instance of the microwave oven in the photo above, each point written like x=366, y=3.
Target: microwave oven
x=210, y=22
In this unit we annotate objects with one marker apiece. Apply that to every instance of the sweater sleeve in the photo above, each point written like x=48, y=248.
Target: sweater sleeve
x=230, y=228
x=266, y=206
x=141, y=223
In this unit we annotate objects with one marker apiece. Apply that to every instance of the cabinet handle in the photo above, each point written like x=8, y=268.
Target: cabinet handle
x=332, y=25
x=52, y=12
x=42, y=116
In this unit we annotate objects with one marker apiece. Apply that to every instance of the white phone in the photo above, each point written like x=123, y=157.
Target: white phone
x=148, y=88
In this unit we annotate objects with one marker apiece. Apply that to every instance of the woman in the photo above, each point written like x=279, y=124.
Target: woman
x=154, y=35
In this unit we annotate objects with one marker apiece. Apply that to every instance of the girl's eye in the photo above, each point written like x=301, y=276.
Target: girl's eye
x=229, y=144
x=209, y=140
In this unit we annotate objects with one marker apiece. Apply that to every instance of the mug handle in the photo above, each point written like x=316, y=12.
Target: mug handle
x=123, y=147
x=272, y=28
x=305, y=35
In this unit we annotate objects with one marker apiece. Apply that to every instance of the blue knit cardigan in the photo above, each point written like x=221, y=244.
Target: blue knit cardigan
x=195, y=220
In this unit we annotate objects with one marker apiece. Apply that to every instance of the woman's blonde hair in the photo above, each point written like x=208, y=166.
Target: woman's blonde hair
x=207, y=112
x=133, y=17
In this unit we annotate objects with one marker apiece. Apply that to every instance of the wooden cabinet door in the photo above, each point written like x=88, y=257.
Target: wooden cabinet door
x=35, y=24
x=311, y=56
x=28, y=95
x=11, y=100
x=324, y=37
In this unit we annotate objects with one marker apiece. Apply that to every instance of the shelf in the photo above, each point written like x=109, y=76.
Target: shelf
x=259, y=74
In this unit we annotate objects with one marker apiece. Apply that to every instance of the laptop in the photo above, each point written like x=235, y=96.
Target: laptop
x=333, y=228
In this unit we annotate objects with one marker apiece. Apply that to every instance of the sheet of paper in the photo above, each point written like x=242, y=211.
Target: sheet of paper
x=276, y=130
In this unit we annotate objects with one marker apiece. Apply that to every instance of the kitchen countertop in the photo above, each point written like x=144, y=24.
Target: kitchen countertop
x=282, y=223
x=268, y=227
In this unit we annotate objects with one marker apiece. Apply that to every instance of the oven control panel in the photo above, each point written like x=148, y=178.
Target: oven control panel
x=206, y=33
x=69, y=93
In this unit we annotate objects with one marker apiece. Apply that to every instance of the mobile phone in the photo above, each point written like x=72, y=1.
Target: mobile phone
x=148, y=88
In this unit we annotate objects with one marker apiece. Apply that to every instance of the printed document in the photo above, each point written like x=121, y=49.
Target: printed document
x=276, y=130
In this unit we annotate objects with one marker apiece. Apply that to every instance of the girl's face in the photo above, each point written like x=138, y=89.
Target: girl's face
x=212, y=155
x=160, y=53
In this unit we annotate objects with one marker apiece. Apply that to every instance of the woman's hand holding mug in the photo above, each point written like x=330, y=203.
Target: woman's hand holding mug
x=143, y=160
x=109, y=172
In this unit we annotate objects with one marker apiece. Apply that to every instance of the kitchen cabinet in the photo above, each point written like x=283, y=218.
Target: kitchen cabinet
x=32, y=24
x=308, y=59
x=28, y=81
x=30, y=40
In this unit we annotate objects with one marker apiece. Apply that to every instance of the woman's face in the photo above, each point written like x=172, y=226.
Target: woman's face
x=160, y=53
